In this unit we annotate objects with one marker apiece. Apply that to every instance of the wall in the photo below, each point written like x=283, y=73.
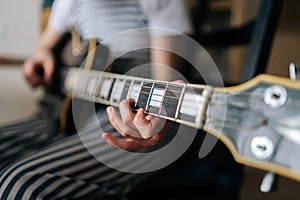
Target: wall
x=19, y=32
x=17, y=99
x=19, y=26
x=286, y=46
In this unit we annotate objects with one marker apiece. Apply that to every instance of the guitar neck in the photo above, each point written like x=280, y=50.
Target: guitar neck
x=257, y=119
x=178, y=102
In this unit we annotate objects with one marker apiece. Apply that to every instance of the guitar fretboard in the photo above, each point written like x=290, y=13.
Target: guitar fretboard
x=179, y=102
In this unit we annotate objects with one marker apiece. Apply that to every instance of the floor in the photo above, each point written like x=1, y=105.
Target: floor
x=18, y=100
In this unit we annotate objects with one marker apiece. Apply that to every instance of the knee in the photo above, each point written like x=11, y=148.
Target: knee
x=17, y=182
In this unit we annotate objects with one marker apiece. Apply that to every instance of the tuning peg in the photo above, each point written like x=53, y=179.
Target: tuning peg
x=294, y=72
x=269, y=183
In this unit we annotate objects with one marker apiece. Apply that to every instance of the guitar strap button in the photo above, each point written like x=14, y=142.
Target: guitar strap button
x=269, y=183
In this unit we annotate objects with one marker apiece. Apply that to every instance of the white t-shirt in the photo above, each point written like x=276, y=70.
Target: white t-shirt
x=106, y=19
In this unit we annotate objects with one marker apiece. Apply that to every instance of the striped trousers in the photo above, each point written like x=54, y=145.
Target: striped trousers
x=38, y=163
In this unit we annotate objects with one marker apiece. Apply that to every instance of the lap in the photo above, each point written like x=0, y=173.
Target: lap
x=62, y=169
x=66, y=169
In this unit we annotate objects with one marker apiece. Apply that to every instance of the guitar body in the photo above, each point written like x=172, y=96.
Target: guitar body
x=91, y=55
x=69, y=51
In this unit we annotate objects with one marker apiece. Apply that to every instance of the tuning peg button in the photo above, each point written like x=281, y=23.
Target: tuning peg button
x=269, y=183
x=294, y=72
x=275, y=96
x=262, y=147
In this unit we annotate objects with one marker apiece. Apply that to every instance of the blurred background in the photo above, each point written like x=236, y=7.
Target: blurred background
x=20, y=30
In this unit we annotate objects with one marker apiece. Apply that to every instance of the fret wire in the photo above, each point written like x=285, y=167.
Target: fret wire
x=98, y=87
x=122, y=90
x=74, y=79
x=160, y=99
x=191, y=98
x=140, y=89
x=79, y=88
x=111, y=87
x=88, y=85
x=122, y=97
x=111, y=81
x=102, y=88
x=81, y=79
x=106, y=85
x=129, y=89
x=165, y=91
x=124, y=85
x=114, y=88
x=134, y=91
x=92, y=86
x=87, y=78
x=180, y=100
x=149, y=96
x=207, y=94
x=170, y=97
x=69, y=82
x=187, y=106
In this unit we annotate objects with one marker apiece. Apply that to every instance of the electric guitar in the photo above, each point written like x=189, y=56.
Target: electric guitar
x=258, y=120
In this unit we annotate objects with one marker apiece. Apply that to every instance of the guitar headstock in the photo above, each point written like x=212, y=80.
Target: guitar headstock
x=261, y=126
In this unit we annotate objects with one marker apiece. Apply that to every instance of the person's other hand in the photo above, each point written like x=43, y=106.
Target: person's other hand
x=39, y=69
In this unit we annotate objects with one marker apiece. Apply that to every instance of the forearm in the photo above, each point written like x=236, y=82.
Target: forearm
x=39, y=68
x=166, y=65
x=47, y=42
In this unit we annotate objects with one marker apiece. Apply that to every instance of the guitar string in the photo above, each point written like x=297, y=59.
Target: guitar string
x=172, y=104
x=175, y=104
x=64, y=72
x=229, y=122
x=212, y=102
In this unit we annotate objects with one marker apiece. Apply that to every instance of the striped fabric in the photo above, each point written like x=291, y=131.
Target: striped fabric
x=102, y=20
x=106, y=19
x=25, y=136
x=64, y=169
